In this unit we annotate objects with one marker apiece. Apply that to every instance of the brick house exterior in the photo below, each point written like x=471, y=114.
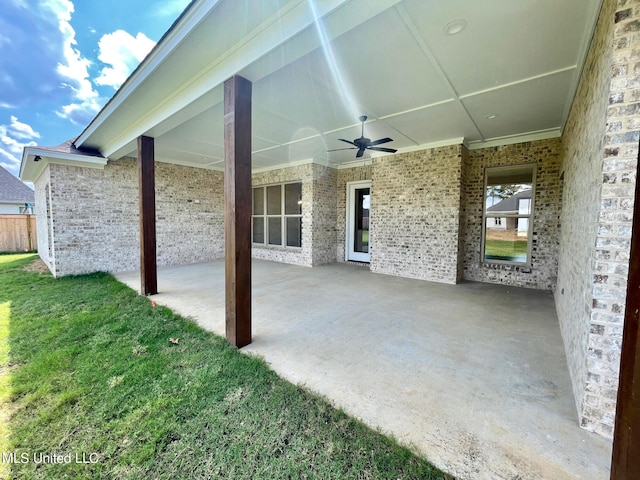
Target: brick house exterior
x=426, y=213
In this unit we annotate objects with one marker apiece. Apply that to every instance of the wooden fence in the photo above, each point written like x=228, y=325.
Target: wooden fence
x=18, y=233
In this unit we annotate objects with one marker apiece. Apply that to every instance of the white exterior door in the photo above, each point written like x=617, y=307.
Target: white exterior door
x=358, y=216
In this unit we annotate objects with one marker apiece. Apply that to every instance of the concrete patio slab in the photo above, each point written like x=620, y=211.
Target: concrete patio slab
x=472, y=376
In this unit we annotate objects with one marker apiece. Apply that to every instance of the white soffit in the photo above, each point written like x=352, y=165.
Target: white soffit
x=511, y=73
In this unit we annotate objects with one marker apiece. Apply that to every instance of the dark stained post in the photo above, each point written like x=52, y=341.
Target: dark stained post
x=147, y=200
x=237, y=209
x=625, y=463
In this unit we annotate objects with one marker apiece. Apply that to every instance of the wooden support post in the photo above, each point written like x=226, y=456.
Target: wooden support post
x=237, y=211
x=625, y=463
x=147, y=200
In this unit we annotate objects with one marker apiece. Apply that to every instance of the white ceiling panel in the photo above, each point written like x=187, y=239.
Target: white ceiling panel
x=303, y=94
x=435, y=124
x=526, y=107
x=517, y=60
x=207, y=126
x=505, y=40
x=272, y=127
x=307, y=149
x=386, y=69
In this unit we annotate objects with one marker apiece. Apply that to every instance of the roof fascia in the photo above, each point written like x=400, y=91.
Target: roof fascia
x=30, y=170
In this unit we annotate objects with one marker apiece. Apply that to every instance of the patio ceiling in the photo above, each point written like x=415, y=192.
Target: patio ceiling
x=316, y=66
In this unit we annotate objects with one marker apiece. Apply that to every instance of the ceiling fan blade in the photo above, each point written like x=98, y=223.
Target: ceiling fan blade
x=348, y=141
x=338, y=149
x=381, y=149
x=382, y=140
x=360, y=153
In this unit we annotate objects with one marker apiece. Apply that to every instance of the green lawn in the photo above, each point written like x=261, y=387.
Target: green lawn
x=506, y=250
x=87, y=368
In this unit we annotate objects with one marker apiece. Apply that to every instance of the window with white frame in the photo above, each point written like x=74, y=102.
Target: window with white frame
x=277, y=215
x=508, y=210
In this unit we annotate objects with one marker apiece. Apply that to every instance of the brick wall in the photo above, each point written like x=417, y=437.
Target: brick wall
x=613, y=240
x=189, y=214
x=187, y=232
x=600, y=156
x=582, y=169
x=323, y=217
x=95, y=218
x=415, y=214
x=465, y=210
x=546, y=154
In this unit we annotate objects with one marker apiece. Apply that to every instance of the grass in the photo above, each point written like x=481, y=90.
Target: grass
x=506, y=250
x=87, y=367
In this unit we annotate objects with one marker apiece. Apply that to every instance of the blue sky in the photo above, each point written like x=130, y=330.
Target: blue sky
x=61, y=60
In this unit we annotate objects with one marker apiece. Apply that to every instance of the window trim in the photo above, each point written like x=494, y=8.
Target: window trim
x=530, y=216
x=282, y=216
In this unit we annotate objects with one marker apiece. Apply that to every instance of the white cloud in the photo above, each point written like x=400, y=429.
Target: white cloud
x=80, y=113
x=119, y=51
x=13, y=138
x=43, y=66
x=30, y=48
x=74, y=68
x=122, y=52
x=22, y=130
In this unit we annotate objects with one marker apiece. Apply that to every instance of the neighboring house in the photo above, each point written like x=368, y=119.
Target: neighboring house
x=506, y=213
x=553, y=106
x=15, y=196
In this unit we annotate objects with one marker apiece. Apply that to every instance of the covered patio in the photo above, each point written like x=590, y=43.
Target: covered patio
x=473, y=375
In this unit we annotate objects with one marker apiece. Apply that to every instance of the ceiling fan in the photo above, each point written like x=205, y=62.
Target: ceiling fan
x=362, y=143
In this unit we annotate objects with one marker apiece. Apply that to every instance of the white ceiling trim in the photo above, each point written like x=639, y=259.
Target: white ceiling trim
x=207, y=166
x=219, y=164
x=356, y=163
x=520, y=138
x=520, y=82
x=416, y=109
x=282, y=166
x=286, y=144
x=417, y=148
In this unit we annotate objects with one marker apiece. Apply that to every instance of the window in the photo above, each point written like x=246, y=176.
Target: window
x=508, y=209
x=277, y=215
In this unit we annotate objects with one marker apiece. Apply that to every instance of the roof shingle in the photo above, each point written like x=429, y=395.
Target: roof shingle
x=12, y=190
